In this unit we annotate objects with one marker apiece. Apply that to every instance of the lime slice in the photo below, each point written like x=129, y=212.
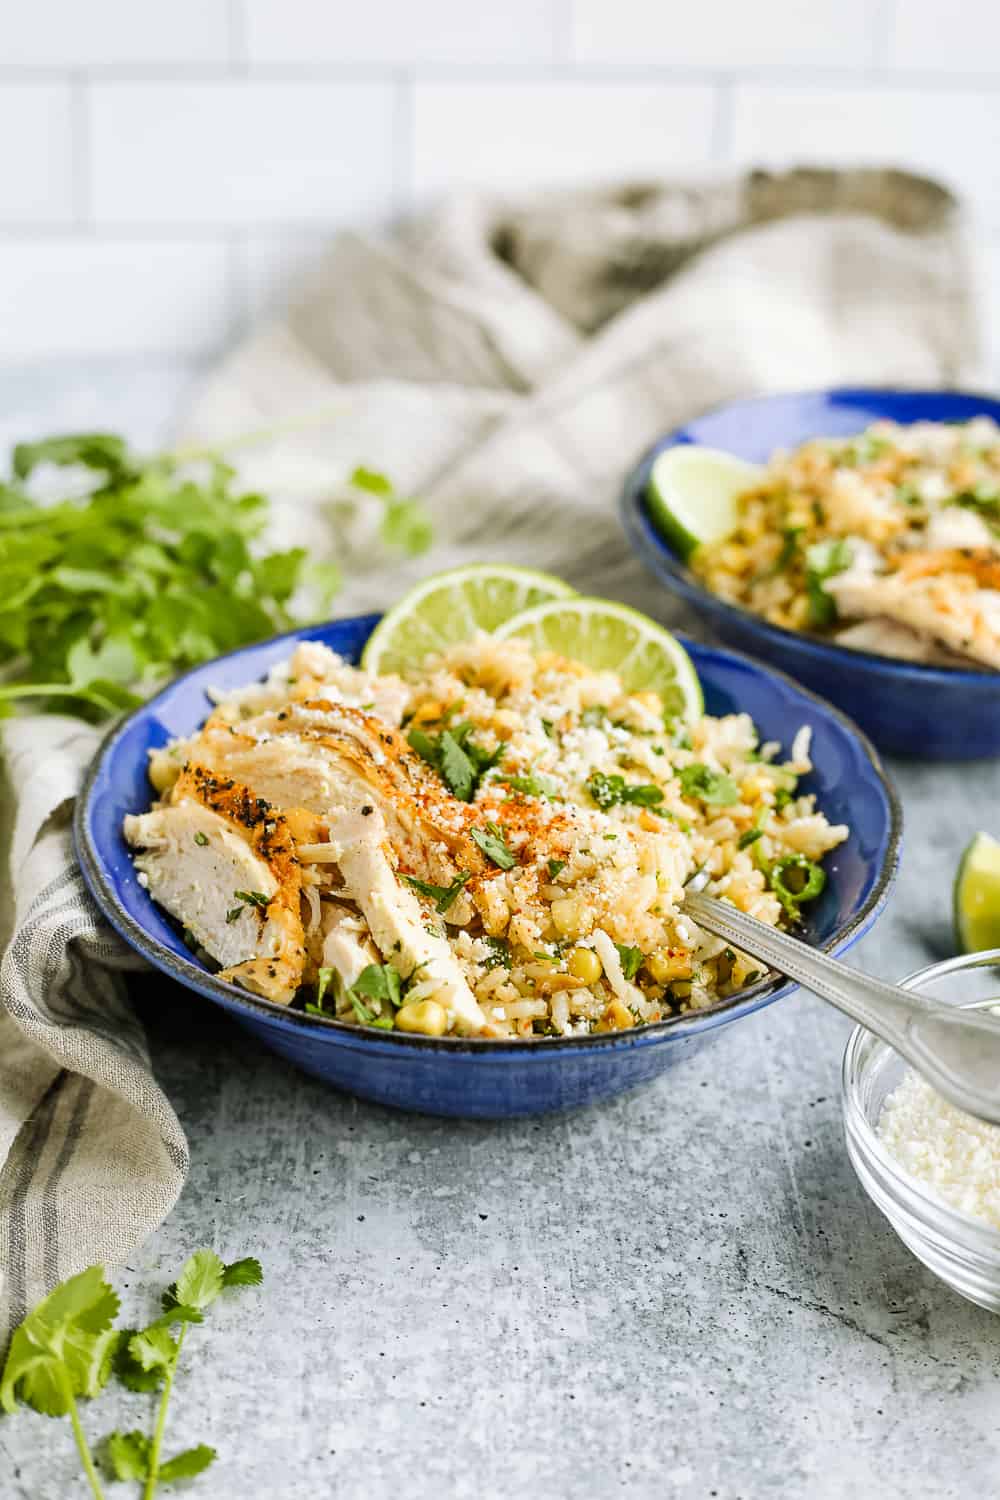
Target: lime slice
x=451, y=607
x=977, y=896
x=692, y=495
x=612, y=637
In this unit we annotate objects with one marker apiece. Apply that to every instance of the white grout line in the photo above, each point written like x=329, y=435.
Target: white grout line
x=781, y=75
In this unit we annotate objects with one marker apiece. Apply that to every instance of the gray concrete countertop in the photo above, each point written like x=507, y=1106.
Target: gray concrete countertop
x=681, y=1293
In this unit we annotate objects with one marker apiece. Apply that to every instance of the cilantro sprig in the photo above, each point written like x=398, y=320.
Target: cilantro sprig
x=149, y=567
x=67, y=1348
x=455, y=756
x=714, y=788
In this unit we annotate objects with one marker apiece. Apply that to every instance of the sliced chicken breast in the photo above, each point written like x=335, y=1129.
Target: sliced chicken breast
x=944, y=608
x=395, y=919
x=222, y=861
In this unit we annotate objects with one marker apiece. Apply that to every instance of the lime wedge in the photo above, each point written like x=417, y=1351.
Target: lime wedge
x=977, y=896
x=692, y=495
x=450, y=607
x=612, y=637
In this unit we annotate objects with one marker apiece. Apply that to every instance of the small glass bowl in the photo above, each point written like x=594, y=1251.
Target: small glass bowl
x=961, y=1250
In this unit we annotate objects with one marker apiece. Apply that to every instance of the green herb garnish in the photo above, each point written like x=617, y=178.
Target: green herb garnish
x=67, y=1348
x=532, y=785
x=201, y=839
x=610, y=791
x=714, y=788
x=499, y=954
x=555, y=865
x=631, y=959
x=458, y=760
x=441, y=895
x=492, y=842
x=824, y=560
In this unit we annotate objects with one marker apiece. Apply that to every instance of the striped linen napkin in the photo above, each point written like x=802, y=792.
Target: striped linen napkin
x=505, y=360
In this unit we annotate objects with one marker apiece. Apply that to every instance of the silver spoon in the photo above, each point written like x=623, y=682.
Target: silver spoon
x=956, y=1049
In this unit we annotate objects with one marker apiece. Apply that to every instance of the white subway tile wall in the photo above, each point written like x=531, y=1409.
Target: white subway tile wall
x=166, y=170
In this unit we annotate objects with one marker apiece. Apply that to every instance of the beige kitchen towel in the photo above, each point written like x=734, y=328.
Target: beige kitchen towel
x=505, y=360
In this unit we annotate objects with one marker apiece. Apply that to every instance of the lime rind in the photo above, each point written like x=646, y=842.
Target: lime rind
x=450, y=607
x=692, y=494
x=977, y=896
x=612, y=637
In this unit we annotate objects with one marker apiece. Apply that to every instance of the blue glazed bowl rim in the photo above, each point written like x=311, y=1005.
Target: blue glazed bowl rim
x=194, y=977
x=644, y=538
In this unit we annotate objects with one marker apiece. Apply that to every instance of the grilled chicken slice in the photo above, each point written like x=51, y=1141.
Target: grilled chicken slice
x=395, y=919
x=951, y=609
x=342, y=942
x=328, y=758
x=222, y=861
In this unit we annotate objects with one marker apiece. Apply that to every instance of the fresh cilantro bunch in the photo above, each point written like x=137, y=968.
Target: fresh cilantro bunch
x=149, y=568
x=68, y=1347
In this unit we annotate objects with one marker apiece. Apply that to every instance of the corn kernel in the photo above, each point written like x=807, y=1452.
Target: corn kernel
x=424, y=1016
x=666, y=964
x=617, y=1017
x=584, y=964
x=566, y=916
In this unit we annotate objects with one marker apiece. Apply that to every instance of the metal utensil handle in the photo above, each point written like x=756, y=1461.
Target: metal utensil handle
x=879, y=1006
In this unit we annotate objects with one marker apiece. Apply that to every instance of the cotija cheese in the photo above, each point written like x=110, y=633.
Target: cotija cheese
x=948, y=1151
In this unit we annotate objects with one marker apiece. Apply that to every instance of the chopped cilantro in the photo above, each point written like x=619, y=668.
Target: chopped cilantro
x=441, y=895
x=232, y=914
x=714, y=788
x=532, y=785
x=201, y=839
x=555, y=865
x=610, y=790
x=499, y=954
x=824, y=560
x=631, y=959
x=492, y=842
x=457, y=759
x=253, y=898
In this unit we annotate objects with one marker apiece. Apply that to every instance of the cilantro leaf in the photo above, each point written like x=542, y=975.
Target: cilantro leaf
x=532, y=785
x=499, y=953
x=631, y=959
x=126, y=1454
x=441, y=895
x=102, y=451
x=245, y=1272
x=610, y=790
x=456, y=758
x=128, y=1369
x=153, y=1348
x=823, y=561
x=187, y=1464
x=371, y=481
x=714, y=788
x=378, y=982
x=200, y=1279
x=555, y=865
x=457, y=770
x=493, y=844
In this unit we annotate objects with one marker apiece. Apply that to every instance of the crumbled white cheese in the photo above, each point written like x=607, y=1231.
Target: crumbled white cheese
x=952, y=1153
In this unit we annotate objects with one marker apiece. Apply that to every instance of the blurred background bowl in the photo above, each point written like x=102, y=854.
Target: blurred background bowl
x=451, y=1076
x=932, y=713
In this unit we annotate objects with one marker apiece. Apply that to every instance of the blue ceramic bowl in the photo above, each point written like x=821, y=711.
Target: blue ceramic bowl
x=932, y=713
x=451, y=1076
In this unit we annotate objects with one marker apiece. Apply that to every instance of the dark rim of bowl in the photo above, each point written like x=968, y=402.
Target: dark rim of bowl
x=640, y=529
x=194, y=976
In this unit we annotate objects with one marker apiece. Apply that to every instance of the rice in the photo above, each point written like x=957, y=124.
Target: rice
x=608, y=807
